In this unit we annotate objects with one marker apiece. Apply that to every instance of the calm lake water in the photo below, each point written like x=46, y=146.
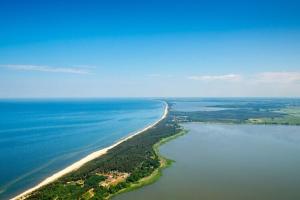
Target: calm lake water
x=40, y=137
x=234, y=162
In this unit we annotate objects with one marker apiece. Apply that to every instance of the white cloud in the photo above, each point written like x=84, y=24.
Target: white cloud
x=264, y=77
x=225, y=77
x=154, y=75
x=255, y=84
x=159, y=75
x=282, y=77
x=40, y=68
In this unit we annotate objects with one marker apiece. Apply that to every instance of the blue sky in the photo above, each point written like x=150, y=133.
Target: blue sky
x=113, y=48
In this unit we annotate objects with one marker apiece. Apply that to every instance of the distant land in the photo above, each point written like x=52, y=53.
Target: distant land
x=284, y=111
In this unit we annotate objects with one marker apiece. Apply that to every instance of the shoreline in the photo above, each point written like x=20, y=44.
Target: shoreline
x=87, y=158
x=157, y=173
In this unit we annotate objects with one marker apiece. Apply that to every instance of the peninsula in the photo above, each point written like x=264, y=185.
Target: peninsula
x=129, y=163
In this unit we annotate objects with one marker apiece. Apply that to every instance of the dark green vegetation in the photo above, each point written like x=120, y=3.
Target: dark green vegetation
x=135, y=156
x=254, y=111
x=231, y=116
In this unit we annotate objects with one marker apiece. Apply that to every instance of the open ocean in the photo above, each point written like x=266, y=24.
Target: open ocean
x=41, y=137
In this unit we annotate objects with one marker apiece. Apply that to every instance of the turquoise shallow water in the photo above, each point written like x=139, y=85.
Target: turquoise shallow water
x=229, y=162
x=40, y=137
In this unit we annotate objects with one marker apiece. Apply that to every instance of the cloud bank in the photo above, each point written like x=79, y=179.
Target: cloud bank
x=40, y=68
x=225, y=77
x=272, y=83
x=283, y=77
x=264, y=77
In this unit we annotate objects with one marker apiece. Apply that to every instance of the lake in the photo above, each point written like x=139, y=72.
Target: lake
x=220, y=162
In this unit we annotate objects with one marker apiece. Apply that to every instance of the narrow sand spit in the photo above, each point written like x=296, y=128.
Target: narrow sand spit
x=84, y=160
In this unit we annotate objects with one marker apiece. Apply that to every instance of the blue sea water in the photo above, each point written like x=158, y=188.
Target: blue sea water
x=40, y=137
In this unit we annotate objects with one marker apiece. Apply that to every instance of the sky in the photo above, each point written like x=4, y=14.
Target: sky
x=158, y=48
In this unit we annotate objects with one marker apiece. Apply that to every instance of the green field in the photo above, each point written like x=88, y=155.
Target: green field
x=253, y=111
x=291, y=117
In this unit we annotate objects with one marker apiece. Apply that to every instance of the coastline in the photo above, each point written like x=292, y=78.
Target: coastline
x=164, y=163
x=86, y=159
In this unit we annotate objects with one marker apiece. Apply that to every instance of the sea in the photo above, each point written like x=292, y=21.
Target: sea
x=39, y=137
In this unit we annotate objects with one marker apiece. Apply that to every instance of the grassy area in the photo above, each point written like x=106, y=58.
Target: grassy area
x=292, y=111
x=282, y=116
x=287, y=120
x=291, y=116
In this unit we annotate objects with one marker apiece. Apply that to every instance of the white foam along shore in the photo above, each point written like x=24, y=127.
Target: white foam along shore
x=86, y=159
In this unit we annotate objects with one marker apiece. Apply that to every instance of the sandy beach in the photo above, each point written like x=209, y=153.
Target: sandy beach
x=86, y=159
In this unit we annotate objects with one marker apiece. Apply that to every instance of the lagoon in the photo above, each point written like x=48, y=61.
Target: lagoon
x=218, y=161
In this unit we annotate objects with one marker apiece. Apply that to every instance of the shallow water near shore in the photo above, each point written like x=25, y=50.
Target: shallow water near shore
x=41, y=137
x=217, y=162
